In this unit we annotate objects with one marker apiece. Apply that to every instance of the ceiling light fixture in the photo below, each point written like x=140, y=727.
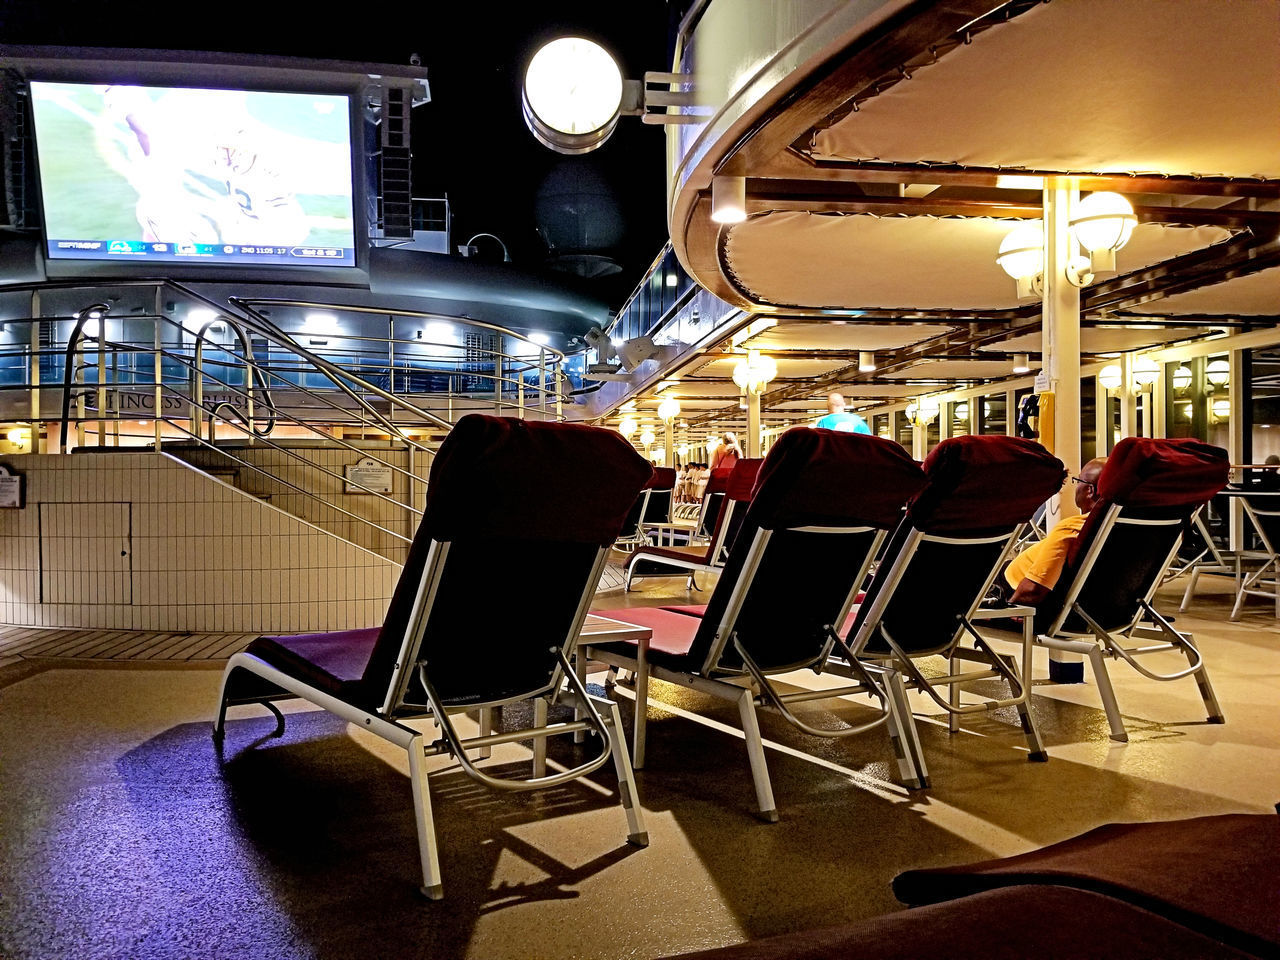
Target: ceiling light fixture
x=1218, y=373
x=728, y=199
x=669, y=409
x=754, y=373
x=1102, y=224
x=866, y=361
x=1021, y=363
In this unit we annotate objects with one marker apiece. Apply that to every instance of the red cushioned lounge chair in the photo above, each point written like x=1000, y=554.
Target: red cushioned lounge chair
x=955, y=538
x=727, y=493
x=497, y=491
x=1101, y=606
x=821, y=509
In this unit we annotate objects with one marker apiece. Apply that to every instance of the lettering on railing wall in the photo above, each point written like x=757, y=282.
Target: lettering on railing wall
x=144, y=401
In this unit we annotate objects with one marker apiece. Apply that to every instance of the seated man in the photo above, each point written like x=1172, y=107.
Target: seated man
x=838, y=418
x=1032, y=574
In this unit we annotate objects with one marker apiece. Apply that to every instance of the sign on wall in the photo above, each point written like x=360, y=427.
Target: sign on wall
x=367, y=475
x=10, y=489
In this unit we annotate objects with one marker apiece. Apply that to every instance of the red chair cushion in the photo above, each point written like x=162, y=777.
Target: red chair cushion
x=1143, y=472
x=985, y=483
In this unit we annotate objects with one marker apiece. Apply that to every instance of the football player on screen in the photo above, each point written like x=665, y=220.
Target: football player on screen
x=205, y=171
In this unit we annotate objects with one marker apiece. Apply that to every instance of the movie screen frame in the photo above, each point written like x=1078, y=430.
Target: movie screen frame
x=197, y=175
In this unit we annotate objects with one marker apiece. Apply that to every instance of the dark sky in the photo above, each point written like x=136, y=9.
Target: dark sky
x=470, y=141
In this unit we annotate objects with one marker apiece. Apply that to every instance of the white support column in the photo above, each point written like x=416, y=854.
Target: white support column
x=1061, y=347
x=668, y=435
x=1128, y=402
x=753, y=424
x=1235, y=440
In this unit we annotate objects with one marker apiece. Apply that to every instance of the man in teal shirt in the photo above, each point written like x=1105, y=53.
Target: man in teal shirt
x=838, y=419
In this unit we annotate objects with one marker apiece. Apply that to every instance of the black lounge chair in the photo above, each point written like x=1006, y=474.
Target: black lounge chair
x=652, y=506
x=1101, y=606
x=939, y=565
x=820, y=511
x=723, y=503
x=1263, y=513
x=497, y=492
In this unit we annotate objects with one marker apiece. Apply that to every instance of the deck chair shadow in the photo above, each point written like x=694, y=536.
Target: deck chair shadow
x=1102, y=604
x=939, y=565
x=497, y=491
x=820, y=511
x=728, y=492
x=1262, y=511
x=652, y=506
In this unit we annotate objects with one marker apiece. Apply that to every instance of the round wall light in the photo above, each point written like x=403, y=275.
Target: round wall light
x=572, y=95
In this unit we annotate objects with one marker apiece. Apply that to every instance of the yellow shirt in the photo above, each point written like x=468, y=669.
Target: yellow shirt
x=1042, y=562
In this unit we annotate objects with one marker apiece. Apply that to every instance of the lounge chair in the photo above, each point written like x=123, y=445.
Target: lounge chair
x=939, y=565
x=497, y=494
x=727, y=492
x=1101, y=606
x=1263, y=513
x=821, y=509
x=652, y=506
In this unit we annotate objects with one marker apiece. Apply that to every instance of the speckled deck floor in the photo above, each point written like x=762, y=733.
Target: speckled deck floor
x=124, y=833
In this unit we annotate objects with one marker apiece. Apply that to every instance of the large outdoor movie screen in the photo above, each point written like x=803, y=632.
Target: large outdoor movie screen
x=145, y=174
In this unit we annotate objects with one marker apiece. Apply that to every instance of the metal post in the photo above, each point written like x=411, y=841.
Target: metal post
x=101, y=391
x=753, y=423
x=34, y=375
x=158, y=410
x=542, y=382
x=1061, y=347
x=669, y=439
x=1235, y=440
x=1128, y=403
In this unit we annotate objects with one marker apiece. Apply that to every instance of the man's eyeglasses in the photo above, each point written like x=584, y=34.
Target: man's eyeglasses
x=1091, y=484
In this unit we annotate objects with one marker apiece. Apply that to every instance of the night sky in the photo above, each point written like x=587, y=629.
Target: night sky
x=470, y=142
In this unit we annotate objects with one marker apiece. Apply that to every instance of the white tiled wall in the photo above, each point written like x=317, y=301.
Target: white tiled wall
x=202, y=556
x=277, y=469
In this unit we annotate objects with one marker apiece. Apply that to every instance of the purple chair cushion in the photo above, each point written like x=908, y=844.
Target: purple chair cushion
x=1045, y=923
x=332, y=662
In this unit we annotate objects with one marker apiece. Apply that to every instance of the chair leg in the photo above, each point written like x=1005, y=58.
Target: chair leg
x=486, y=728
x=640, y=721
x=953, y=689
x=1108, y=694
x=755, y=753
x=539, y=743
x=1211, y=706
x=627, y=794
x=904, y=735
x=432, y=885
x=1191, y=588
x=1035, y=745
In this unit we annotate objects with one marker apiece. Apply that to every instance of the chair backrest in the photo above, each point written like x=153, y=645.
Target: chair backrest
x=822, y=503
x=956, y=533
x=500, y=498
x=1147, y=493
x=657, y=505
x=712, y=501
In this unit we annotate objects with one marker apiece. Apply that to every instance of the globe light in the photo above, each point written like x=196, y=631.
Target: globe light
x=1102, y=224
x=1182, y=377
x=1145, y=372
x=1218, y=373
x=627, y=427
x=669, y=409
x=647, y=437
x=1022, y=250
x=1109, y=377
